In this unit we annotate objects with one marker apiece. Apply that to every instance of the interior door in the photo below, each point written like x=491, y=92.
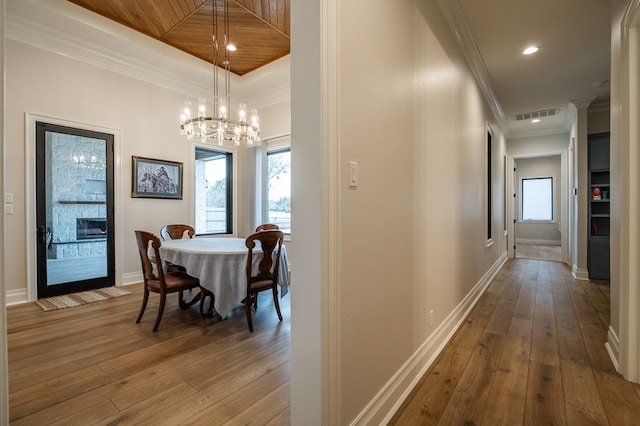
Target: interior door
x=74, y=210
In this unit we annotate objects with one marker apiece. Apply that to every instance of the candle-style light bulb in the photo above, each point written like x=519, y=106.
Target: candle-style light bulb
x=242, y=114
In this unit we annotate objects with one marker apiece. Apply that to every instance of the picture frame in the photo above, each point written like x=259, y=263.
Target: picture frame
x=152, y=178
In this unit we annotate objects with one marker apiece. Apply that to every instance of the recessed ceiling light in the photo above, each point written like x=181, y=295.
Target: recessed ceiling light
x=535, y=120
x=232, y=48
x=530, y=50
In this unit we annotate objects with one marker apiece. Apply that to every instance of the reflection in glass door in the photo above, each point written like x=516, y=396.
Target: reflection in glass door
x=74, y=196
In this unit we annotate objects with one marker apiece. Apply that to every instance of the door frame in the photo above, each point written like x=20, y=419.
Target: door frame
x=43, y=188
x=30, y=194
x=565, y=194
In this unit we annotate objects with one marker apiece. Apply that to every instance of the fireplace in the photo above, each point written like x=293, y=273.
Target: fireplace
x=91, y=228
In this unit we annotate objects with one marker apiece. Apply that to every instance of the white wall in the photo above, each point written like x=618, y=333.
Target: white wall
x=598, y=119
x=538, y=146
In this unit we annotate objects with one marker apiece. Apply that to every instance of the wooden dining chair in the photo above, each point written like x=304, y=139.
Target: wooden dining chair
x=267, y=226
x=176, y=231
x=266, y=277
x=156, y=280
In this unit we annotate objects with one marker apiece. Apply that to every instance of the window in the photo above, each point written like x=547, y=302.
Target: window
x=489, y=186
x=537, y=198
x=279, y=188
x=213, y=191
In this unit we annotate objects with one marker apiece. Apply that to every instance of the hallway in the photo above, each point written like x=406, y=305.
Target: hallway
x=531, y=352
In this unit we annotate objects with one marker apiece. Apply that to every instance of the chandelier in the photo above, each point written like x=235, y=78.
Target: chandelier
x=215, y=123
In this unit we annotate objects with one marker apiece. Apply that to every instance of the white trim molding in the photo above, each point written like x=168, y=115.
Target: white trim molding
x=539, y=241
x=613, y=347
x=454, y=16
x=30, y=193
x=16, y=297
x=579, y=273
x=384, y=405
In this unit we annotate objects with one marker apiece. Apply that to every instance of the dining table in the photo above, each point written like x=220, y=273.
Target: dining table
x=220, y=265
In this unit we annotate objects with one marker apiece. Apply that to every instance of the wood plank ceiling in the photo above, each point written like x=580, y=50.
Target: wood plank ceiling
x=258, y=28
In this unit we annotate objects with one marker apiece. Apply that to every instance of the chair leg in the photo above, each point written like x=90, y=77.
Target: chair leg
x=247, y=311
x=183, y=303
x=203, y=297
x=145, y=299
x=275, y=302
x=163, y=299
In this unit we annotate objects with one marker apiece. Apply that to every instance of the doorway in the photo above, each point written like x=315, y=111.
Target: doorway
x=74, y=209
x=538, y=210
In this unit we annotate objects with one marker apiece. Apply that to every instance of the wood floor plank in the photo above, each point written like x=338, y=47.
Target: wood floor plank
x=265, y=410
x=545, y=397
x=171, y=398
x=95, y=414
x=619, y=397
x=581, y=390
x=468, y=401
x=59, y=411
x=430, y=397
x=208, y=409
x=507, y=395
x=577, y=416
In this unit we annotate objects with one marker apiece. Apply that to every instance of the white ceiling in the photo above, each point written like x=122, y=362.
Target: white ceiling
x=574, y=38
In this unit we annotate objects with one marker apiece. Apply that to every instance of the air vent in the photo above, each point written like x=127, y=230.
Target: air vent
x=535, y=114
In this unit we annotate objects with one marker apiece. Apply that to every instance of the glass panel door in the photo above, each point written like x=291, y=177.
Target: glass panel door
x=74, y=195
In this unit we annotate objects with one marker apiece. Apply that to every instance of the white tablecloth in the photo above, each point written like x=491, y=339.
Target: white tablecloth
x=219, y=264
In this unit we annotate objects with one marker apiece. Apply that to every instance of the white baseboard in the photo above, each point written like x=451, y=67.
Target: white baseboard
x=131, y=278
x=580, y=273
x=383, y=406
x=613, y=347
x=540, y=242
x=16, y=297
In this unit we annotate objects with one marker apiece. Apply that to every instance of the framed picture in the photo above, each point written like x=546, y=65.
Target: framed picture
x=156, y=178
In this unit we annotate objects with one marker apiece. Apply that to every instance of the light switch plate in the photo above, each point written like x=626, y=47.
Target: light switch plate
x=8, y=209
x=8, y=197
x=353, y=174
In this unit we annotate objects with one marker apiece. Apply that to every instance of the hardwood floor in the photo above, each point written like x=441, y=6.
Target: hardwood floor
x=531, y=353
x=93, y=364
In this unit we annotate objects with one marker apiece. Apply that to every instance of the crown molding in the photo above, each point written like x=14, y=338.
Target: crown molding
x=55, y=41
x=462, y=33
x=599, y=106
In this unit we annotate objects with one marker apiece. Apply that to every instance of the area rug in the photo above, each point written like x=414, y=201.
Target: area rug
x=77, y=299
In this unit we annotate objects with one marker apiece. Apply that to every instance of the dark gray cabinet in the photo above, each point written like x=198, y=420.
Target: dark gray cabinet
x=599, y=207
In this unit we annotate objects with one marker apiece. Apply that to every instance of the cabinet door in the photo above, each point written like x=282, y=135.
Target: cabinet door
x=599, y=258
x=599, y=151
